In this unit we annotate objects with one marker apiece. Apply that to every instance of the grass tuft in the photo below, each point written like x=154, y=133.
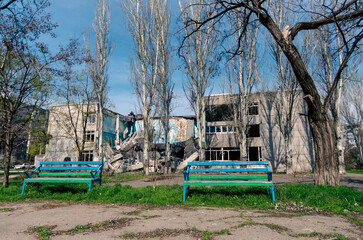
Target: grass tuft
x=318, y=234
x=44, y=232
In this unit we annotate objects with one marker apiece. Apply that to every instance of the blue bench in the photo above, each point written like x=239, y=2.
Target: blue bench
x=226, y=173
x=65, y=172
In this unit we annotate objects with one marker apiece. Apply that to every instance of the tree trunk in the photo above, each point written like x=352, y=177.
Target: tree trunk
x=168, y=158
x=337, y=128
x=100, y=131
x=146, y=151
x=288, y=156
x=326, y=167
x=8, y=151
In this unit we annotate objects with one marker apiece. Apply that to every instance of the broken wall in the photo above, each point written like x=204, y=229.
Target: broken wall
x=181, y=129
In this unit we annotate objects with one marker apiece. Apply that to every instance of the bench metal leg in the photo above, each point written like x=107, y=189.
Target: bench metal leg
x=89, y=186
x=22, y=191
x=184, y=188
x=272, y=192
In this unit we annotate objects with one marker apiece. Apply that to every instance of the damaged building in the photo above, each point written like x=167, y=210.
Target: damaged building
x=74, y=132
x=264, y=139
x=72, y=126
x=123, y=136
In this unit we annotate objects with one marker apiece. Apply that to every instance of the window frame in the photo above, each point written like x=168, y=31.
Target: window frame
x=87, y=156
x=90, y=136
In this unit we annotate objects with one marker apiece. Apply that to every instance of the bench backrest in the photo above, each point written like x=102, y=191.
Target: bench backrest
x=66, y=168
x=230, y=167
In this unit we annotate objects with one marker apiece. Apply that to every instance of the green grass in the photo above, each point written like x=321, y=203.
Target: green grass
x=44, y=232
x=12, y=172
x=6, y=209
x=318, y=234
x=357, y=171
x=336, y=199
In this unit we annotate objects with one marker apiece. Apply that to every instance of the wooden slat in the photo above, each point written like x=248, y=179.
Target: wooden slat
x=227, y=170
x=229, y=163
x=228, y=177
x=67, y=168
x=66, y=174
x=227, y=183
x=59, y=180
x=71, y=163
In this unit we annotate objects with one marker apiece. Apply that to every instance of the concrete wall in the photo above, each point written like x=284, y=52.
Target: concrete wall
x=63, y=139
x=271, y=140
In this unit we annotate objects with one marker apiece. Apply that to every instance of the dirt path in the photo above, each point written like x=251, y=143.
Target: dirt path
x=349, y=180
x=109, y=221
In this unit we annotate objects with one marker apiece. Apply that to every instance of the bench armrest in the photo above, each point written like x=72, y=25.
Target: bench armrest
x=94, y=173
x=186, y=176
x=29, y=174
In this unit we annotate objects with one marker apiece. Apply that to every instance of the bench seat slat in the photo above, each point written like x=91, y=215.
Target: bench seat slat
x=66, y=174
x=67, y=168
x=229, y=183
x=72, y=163
x=234, y=170
x=232, y=163
x=247, y=176
x=59, y=180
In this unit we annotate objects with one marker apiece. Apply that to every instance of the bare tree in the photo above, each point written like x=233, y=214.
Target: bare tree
x=198, y=54
x=26, y=68
x=347, y=17
x=243, y=75
x=353, y=112
x=76, y=91
x=287, y=83
x=329, y=56
x=6, y=4
x=161, y=19
x=98, y=63
x=140, y=16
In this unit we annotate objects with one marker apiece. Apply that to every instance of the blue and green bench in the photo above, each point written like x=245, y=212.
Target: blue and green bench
x=65, y=172
x=228, y=173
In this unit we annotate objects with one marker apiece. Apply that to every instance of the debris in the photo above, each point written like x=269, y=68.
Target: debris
x=191, y=158
x=128, y=155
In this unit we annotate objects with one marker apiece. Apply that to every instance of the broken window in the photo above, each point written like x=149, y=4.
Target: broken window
x=254, y=154
x=224, y=128
x=87, y=155
x=221, y=154
x=253, y=109
x=253, y=130
x=90, y=136
x=234, y=155
x=91, y=118
x=230, y=129
x=219, y=129
x=216, y=113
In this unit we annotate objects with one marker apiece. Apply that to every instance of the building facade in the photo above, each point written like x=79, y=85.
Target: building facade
x=264, y=138
x=74, y=132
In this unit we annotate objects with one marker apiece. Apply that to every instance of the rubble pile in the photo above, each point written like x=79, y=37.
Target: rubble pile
x=128, y=155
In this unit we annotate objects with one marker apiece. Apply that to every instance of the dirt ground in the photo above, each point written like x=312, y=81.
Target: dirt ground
x=349, y=179
x=124, y=221
x=110, y=221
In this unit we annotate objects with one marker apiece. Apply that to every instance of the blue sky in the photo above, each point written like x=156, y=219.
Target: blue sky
x=74, y=16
